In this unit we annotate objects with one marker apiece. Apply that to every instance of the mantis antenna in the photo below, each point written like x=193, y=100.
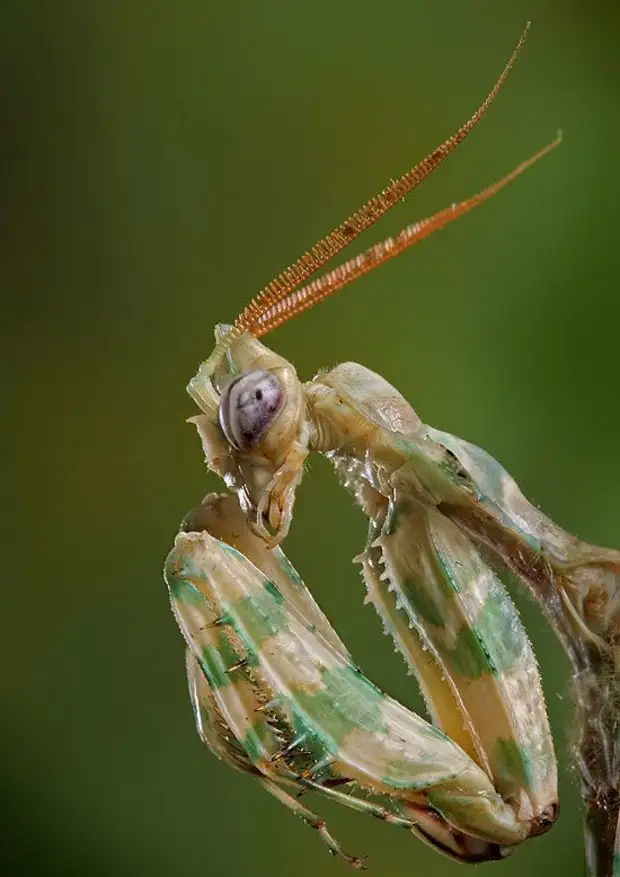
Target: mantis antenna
x=300, y=300
x=285, y=296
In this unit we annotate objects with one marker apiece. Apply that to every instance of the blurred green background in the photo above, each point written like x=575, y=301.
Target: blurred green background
x=159, y=162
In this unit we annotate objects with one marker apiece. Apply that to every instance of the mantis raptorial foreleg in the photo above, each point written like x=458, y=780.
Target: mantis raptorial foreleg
x=276, y=694
x=219, y=737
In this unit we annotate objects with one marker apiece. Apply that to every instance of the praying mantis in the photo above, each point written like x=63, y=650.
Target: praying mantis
x=276, y=693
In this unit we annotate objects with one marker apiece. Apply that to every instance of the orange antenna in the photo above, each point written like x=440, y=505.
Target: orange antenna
x=329, y=247
x=286, y=296
x=301, y=299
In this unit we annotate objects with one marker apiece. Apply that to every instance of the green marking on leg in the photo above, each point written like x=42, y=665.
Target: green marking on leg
x=317, y=747
x=184, y=591
x=274, y=591
x=495, y=642
x=259, y=742
x=447, y=574
x=500, y=624
x=500, y=627
x=288, y=569
x=422, y=602
x=347, y=702
x=512, y=762
x=398, y=775
x=470, y=655
x=214, y=666
x=178, y=577
x=258, y=617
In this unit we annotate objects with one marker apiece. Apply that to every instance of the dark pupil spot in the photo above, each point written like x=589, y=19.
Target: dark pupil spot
x=258, y=395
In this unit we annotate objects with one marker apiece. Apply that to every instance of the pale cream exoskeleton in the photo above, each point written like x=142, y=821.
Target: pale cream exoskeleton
x=274, y=690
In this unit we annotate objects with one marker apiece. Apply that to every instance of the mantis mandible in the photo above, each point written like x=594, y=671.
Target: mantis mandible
x=274, y=690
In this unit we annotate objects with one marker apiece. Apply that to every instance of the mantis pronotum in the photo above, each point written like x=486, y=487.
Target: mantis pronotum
x=274, y=690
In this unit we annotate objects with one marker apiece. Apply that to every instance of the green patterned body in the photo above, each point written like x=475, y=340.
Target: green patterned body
x=276, y=694
x=274, y=689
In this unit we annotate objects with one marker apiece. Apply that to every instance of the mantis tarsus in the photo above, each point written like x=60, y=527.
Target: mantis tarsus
x=274, y=690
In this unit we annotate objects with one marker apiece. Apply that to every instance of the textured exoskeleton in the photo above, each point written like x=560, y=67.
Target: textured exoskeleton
x=440, y=600
x=275, y=692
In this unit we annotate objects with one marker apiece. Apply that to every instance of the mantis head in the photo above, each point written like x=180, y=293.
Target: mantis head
x=254, y=428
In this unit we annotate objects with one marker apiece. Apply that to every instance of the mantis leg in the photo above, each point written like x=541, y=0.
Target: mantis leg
x=459, y=630
x=440, y=599
x=217, y=735
x=301, y=713
x=576, y=585
x=313, y=821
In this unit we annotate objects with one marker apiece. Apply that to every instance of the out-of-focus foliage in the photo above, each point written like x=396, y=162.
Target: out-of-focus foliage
x=159, y=162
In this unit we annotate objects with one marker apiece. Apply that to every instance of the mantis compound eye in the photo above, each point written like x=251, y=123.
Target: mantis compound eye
x=248, y=406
